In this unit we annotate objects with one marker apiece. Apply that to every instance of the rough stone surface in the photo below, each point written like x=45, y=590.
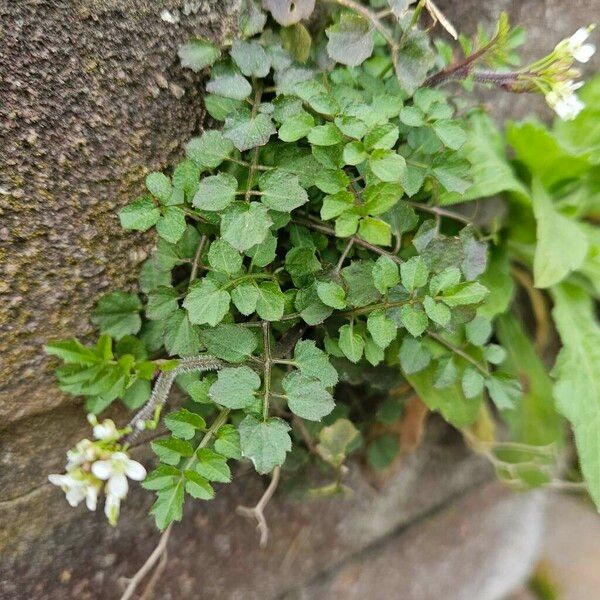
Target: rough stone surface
x=482, y=547
x=51, y=551
x=84, y=113
x=83, y=116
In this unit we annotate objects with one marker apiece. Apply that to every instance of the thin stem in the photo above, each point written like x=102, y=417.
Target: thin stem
x=344, y=255
x=197, y=256
x=267, y=368
x=147, y=566
x=219, y=421
x=257, y=512
x=459, y=351
x=245, y=163
x=436, y=210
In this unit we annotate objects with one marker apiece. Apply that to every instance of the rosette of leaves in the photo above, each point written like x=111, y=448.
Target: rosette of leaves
x=301, y=242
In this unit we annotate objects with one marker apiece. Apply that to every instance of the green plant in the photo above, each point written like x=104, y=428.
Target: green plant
x=306, y=244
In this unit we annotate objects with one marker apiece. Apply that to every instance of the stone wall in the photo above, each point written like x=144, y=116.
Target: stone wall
x=91, y=98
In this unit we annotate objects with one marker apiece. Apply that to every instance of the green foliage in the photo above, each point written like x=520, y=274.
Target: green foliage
x=302, y=242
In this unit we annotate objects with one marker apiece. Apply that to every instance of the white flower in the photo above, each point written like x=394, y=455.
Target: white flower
x=115, y=471
x=106, y=430
x=78, y=489
x=84, y=451
x=577, y=47
x=564, y=101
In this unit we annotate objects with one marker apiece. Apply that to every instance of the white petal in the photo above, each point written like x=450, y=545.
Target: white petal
x=102, y=469
x=134, y=470
x=112, y=508
x=91, y=497
x=117, y=485
x=57, y=479
x=75, y=495
x=584, y=53
x=579, y=37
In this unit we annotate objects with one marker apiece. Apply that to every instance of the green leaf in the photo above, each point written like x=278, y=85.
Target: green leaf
x=382, y=329
x=314, y=363
x=351, y=343
x=197, y=54
x=118, y=314
x=478, y=331
x=469, y=292
x=373, y=353
x=382, y=451
x=382, y=136
x=162, y=302
x=168, y=506
x=355, y=153
x=270, y=302
x=215, y=192
x=494, y=354
x=450, y=133
x=264, y=253
x=387, y=165
x=301, y=263
x=230, y=85
x=227, y=442
x=210, y=149
x=561, y=246
x=491, y=172
x=412, y=116
x=381, y=197
x=472, y=382
x=185, y=178
x=281, y=191
x=140, y=215
x=235, y=387
x=248, y=132
x=534, y=419
x=439, y=313
x=212, y=466
x=296, y=126
x=360, y=286
x=450, y=401
x=73, y=352
x=414, y=319
x=504, y=390
x=171, y=226
x=414, y=58
x=184, y=424
x=137, y=394
x=325, y=135
x=447, y=278
x=288, y=12
x=197, y=486
x=414, y=273
x=385, y=274
x=244, y=297
x=265, y=443
x=350, y=40
x=222, y=257
x=206, y=303
x=172, y=450
x=335, y=441
x=245, y=226
x=297, y=41
x=164, y=476
x=577, y=371
x=346, y=224
x=307, y=397
x=159, y=185
x=446, y=373
x=375, y=231
x=332, y=294
x=414, y=356
x=251, y=58
x=181, y=337
x=233, y=343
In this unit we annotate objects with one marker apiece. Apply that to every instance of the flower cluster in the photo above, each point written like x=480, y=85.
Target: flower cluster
x=561, y=75
x=96, y=466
